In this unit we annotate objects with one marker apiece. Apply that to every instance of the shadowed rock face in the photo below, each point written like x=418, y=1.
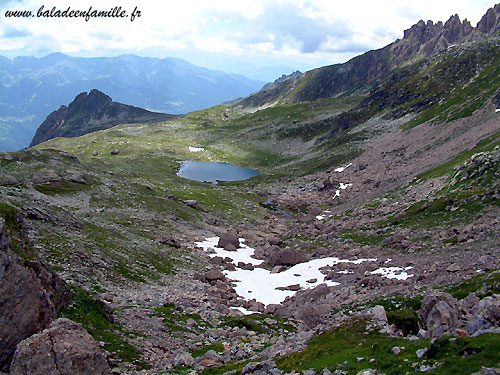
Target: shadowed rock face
x=91, y=112
x=29, y=298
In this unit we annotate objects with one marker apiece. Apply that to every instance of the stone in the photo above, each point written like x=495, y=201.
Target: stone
x=64, y=348
x=285, y=257
x=261, y=368
x=485, y=314
x=213, y=275
x=368, y=371
x=183, y=359
x=454, y=268
x=294, y=287
x=115, y=152
x=169, y=240
x=421, y=352
x=192, y=203
x=227, y=239
x=488, y=371
x=396, y=350
x=379, y=316
x=439, y=314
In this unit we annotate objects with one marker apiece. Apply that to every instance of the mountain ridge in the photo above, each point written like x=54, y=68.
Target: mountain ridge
x=92, y=112
x=32, y=87
x=421, y=40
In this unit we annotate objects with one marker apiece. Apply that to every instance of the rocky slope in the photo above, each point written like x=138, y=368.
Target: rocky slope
x=399, y=205
x=90, y=112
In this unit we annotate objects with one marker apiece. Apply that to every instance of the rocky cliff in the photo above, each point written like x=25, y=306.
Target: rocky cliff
x=90, y=112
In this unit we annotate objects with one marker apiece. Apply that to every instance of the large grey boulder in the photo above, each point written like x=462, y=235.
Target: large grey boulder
x=228, y=241
x=65, y=348
x=485, y=315
x=285, y=257
x=439, y=314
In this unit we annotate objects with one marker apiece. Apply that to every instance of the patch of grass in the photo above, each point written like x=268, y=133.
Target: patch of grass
x=20, y=244
x=227, y=367
x=364, y=239
x=454, y=207
x=486, y=284
x=217, y=347
x=341, y=348
x=486, y=144
x=62, y=187
x=176, y=321
x=259, y=323
x=91, y=314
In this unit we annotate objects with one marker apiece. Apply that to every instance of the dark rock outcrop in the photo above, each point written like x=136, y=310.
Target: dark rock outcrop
x=91, y=112
x=30, y=296
x=64, y=348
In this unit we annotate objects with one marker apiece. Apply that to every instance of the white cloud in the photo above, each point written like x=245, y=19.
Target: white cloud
x=308, y=32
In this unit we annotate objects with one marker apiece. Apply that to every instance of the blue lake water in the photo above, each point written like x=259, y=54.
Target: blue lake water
x=214, y=171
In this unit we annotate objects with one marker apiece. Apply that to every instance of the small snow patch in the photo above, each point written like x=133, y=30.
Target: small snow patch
x=320, y=217
x=342, y=169
x=196, y=149
x=497, y=110
x=393, y=272
x=243, y=310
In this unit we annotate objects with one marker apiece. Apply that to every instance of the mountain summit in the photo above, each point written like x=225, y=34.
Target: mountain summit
x=90, y=112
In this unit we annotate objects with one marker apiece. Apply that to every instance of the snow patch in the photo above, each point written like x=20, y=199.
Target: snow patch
x=342, y=169
x=196, y=149
x=393, y=272
x=260, y=283
x=244, y=311
x=243, y=254
x=497, y=110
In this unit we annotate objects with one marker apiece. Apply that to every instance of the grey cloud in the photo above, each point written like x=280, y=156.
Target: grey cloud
x=288, y=25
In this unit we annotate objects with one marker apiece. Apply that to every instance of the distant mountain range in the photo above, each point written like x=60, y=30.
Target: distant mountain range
x=31, y=88
x=89, y=113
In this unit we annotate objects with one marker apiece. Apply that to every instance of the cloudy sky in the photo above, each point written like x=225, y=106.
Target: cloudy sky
x=226, y=34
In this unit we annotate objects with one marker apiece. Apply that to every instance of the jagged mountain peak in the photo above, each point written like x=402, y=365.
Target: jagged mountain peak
x=90, y=112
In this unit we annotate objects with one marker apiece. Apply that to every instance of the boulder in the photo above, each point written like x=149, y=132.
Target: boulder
x=261, y=368
x=485, y=315
x=192, y=203
x=439, y=314
x=213, y=275
x=169, y=240
x=183, y=359
x=65, y=348
x=115, y=152
x=285, y=257
x=228, y=240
